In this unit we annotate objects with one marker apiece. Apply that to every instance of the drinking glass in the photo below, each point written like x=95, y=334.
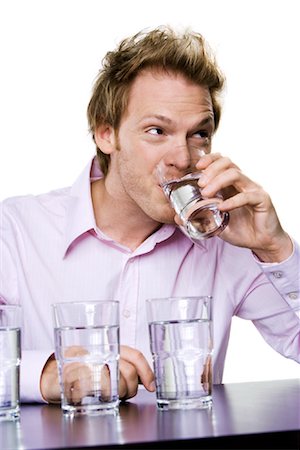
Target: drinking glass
x=87, y=351
x=181, y=343
x=178, y=176
x=10, y=359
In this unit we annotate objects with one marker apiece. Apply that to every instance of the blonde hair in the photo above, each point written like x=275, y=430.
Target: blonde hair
x=162, y=48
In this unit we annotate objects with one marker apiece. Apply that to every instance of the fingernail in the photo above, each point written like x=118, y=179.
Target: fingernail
x=152, y=386
x=205, y=191
x=202, y=180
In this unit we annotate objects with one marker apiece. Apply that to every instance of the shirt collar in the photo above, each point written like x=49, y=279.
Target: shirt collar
x=80, y=213
x=80, y=218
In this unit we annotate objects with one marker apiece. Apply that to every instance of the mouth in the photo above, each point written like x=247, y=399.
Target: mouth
x=159, y=188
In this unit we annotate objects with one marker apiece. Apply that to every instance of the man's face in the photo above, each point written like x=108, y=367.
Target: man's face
x=165, y=112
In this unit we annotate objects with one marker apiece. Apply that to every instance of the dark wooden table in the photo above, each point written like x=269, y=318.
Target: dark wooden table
x=255, y=415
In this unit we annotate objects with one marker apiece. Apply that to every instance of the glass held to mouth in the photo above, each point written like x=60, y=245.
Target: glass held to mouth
x=178, y=176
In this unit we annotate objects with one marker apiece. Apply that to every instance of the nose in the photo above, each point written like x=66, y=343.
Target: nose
x=185, y=156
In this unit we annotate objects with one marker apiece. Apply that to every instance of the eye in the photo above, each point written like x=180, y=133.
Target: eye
x=201, y=138
x=202, y=134
x=155, y=131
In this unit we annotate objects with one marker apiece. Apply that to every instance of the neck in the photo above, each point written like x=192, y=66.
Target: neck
x=120, y=218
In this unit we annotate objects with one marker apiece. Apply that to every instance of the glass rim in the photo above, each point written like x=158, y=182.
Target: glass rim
x=10, y=306
x=181, y=297
x=88, y=302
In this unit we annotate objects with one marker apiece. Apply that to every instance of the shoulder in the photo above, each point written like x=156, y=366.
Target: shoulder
x=27, y=207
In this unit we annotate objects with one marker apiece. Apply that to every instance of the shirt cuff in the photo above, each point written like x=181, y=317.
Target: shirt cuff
x=32, y=364
x=285, y=276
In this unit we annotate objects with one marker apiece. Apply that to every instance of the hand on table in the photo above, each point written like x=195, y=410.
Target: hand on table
x=78, y=379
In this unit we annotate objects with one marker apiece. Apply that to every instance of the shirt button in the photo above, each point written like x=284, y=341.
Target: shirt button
x=293, y=295
x=277, y=274
x=126, y=313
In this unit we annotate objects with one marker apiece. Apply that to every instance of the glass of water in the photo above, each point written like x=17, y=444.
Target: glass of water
x=87, y=352
x=181, y=344
x=10, y=359
x=178, y=176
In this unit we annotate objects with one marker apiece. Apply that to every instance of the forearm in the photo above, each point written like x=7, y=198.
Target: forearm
x=275, y=319
x=278, y=251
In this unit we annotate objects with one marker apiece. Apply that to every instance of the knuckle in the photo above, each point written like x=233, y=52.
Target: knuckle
x=227, y=161
x=234, y=173
x=122, y=387
x=132, y=391
x=128, y=371
x=138, y=356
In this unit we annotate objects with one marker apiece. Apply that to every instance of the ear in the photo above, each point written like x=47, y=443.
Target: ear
x=105, y=138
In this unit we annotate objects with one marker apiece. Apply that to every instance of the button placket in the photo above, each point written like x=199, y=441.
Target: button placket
x=277, y=274
x=128, y=291
x=126, y=313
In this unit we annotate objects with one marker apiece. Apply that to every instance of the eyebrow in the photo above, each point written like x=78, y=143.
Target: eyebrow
x=157, y=117
x=207, y=120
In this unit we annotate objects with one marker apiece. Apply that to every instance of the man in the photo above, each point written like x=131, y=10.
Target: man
x=112, y=235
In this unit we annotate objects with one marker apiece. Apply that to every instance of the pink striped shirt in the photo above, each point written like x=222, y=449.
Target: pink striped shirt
x=52, y=251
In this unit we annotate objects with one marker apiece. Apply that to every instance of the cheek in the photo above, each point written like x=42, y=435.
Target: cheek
x=138, y=179
x=136, y=171
x=135, y=182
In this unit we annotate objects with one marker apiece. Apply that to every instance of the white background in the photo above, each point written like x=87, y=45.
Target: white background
x=51, y=51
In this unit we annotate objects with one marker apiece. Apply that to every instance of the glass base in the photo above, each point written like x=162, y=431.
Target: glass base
x=206, y=222
x=91, y=410
x=184, y=403
x=9, y=414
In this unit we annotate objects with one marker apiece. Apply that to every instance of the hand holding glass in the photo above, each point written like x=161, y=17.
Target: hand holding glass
x=178, y=176
x=87, y=352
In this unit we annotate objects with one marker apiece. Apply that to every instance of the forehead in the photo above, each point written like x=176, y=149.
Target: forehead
x=158, y=89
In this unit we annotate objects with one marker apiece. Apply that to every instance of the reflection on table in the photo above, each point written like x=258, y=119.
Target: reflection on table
x=244, y=415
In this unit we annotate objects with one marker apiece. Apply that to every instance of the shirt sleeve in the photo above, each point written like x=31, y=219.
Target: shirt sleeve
x=32, y=363
x=8, y=274
x=285, y=277
x=273, y=306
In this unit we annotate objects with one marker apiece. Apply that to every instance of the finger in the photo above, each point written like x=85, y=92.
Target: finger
x=123, y=391
x=218, y=166
x=256, y=198
x=178, y=220
x=75, y=350
x=49, y=382
x=128, y=383
x=82, y=380
x=105, y=382
x=207, y=159
x=77, y=380
x=138, y=360
x=74, y=370
x=77, y=384
x=232, y=177
x=77, y=391
x=206, y=377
